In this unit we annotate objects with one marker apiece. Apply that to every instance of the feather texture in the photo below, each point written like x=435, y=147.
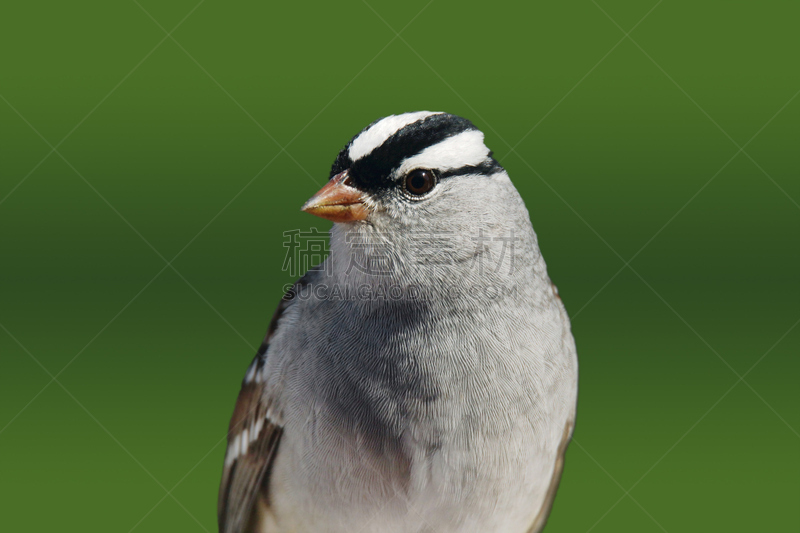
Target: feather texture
x=253, y=439
x=436, y=394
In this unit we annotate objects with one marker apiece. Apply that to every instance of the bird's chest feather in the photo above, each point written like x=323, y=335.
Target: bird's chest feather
x=421, y=474
x=423, y=423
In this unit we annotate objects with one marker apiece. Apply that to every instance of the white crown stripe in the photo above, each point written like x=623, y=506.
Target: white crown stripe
x=375, y=136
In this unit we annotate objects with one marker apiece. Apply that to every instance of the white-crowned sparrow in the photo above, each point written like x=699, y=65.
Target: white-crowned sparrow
x=424, y=377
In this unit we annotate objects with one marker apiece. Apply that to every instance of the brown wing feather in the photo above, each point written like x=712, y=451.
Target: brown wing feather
x=250, y=459
x=252, y=441
x=541, y=518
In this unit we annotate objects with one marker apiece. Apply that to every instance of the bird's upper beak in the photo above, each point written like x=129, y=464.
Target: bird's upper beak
x=338, y=200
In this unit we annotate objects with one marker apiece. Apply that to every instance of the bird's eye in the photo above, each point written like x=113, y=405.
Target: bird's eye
x=420, y=181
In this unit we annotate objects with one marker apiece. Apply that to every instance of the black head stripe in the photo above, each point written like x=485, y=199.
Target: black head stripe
x=371, y=173
x=487, y=168
x=343, y=161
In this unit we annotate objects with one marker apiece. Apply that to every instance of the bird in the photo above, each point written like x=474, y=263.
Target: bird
x=424, y=377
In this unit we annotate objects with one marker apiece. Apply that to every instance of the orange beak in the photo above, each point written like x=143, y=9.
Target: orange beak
x=338, y=200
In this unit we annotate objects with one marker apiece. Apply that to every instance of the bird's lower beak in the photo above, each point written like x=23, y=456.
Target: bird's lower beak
x=338, y=200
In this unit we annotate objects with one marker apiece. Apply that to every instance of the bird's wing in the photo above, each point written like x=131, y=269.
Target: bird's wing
x=544, y=511
x=253, y=439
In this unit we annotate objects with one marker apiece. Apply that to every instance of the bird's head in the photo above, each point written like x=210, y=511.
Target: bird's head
x=405, y=168
x=420, y=175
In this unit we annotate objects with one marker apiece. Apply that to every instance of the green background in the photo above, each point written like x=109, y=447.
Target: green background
x=172, y=148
